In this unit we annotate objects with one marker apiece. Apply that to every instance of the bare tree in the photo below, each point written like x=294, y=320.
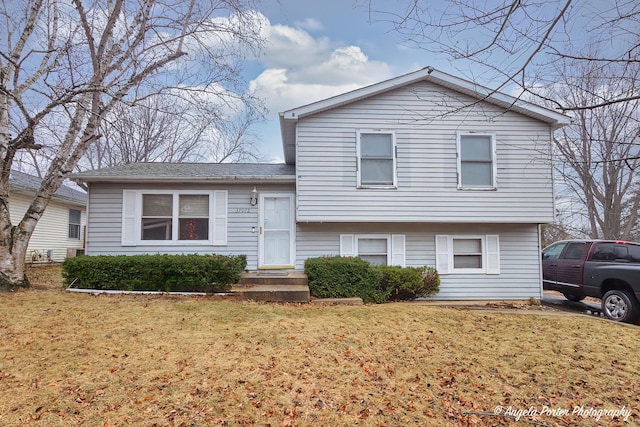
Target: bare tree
x=66, y=64
x=598, y=155
x=154, y=130
x=516, y=41
x=233, y=141
x=554, y=232
x=161, y=130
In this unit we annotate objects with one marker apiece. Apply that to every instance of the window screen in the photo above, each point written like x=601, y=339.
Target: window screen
x=476, y=161
x=376, y=159
x=157, y=216
x=467, y=253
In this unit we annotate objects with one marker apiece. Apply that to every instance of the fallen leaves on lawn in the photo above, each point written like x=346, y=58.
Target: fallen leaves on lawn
x=70, y=359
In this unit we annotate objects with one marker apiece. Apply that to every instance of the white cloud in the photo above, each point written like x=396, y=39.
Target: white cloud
x=300, y=68
x=310, y=24
x=282, y=94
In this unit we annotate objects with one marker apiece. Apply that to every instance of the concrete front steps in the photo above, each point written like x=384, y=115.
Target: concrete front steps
x=273, y=286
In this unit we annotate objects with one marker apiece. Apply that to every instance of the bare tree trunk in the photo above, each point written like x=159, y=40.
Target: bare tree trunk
x=13, y=264
x=57, y=86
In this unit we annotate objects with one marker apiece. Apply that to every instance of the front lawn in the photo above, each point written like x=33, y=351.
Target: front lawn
x=77, y=359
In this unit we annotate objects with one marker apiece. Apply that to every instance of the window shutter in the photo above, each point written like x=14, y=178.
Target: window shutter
x=397, y=250
x=493, y=254
x=129, y=218
x=220, y=217
x=442, y=253
x=347, y=245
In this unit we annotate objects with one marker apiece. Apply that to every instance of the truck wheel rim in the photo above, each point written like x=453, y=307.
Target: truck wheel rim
x=616, y=307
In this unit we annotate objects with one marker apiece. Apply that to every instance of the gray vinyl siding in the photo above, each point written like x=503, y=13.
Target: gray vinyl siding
x=105, y=219
x=519, y=276
x=425, y=124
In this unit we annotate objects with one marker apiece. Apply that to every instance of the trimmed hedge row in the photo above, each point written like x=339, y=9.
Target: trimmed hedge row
x=165, y=273
x=343, y=277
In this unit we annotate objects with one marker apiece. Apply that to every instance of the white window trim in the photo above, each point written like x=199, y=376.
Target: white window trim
x=132, y=218
x=490, y=245
x=394, y=184
x=494, y=168
x=395, y=246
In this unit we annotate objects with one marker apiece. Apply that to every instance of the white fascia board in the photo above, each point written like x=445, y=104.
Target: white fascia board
x=437, y=77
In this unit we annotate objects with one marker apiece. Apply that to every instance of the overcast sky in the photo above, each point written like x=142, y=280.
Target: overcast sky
x=318, y=49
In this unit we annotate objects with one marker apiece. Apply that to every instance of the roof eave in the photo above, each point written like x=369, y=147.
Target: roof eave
x=27, y=191
x=181, y=179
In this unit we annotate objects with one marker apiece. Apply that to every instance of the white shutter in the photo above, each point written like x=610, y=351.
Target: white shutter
x=130, y=218
x=220, y=217
x=397, y=250
x=442, y=253
x=347, y=245
x=493, y=254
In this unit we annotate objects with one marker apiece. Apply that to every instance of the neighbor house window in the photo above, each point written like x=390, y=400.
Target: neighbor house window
x=75, y=217
x=174, y=217
x=376, y=158
x=476, y=161
x=468, y=254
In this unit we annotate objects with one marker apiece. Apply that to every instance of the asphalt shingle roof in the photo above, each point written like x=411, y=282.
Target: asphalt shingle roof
x=190, y=172
x=32, y=183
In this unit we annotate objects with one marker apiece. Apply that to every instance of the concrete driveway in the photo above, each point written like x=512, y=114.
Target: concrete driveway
x=561, y=303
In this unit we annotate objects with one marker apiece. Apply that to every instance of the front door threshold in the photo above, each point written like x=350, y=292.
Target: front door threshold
x=277, y=267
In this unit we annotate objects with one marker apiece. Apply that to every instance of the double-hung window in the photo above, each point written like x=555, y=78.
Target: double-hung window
x=157, y=217
x=468, y=254
x=174, y=217
x=193, y=217
x=373, y=249
x=378, y=249
x=476, y=161
x=75, y=216
x=376, y=158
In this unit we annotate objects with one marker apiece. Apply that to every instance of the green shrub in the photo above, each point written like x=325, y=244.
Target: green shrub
x=408, y=283
x=178, y=273
x=344, y=277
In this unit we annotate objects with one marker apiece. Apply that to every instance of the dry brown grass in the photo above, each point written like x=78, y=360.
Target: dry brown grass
x=77, y=359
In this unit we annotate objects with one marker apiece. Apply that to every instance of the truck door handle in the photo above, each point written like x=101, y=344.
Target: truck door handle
x=575, y=266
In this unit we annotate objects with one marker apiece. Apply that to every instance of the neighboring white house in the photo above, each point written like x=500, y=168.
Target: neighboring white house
x=60, y=231
x=422, y=169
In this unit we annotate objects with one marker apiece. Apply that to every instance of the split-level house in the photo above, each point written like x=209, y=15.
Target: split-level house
x=422, y=169
x=60, y=231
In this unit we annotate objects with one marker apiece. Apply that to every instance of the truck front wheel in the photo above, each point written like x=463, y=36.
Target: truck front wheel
x=620, y=306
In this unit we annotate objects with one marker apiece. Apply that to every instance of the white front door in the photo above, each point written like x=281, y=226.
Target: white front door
x=276, y=231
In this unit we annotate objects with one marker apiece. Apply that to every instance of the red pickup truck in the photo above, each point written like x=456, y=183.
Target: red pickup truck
x=606, y=269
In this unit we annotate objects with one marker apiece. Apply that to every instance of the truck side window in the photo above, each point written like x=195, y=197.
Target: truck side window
x=604, y=252
x=634, y=253
x=575, y=250
x=553, y=251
